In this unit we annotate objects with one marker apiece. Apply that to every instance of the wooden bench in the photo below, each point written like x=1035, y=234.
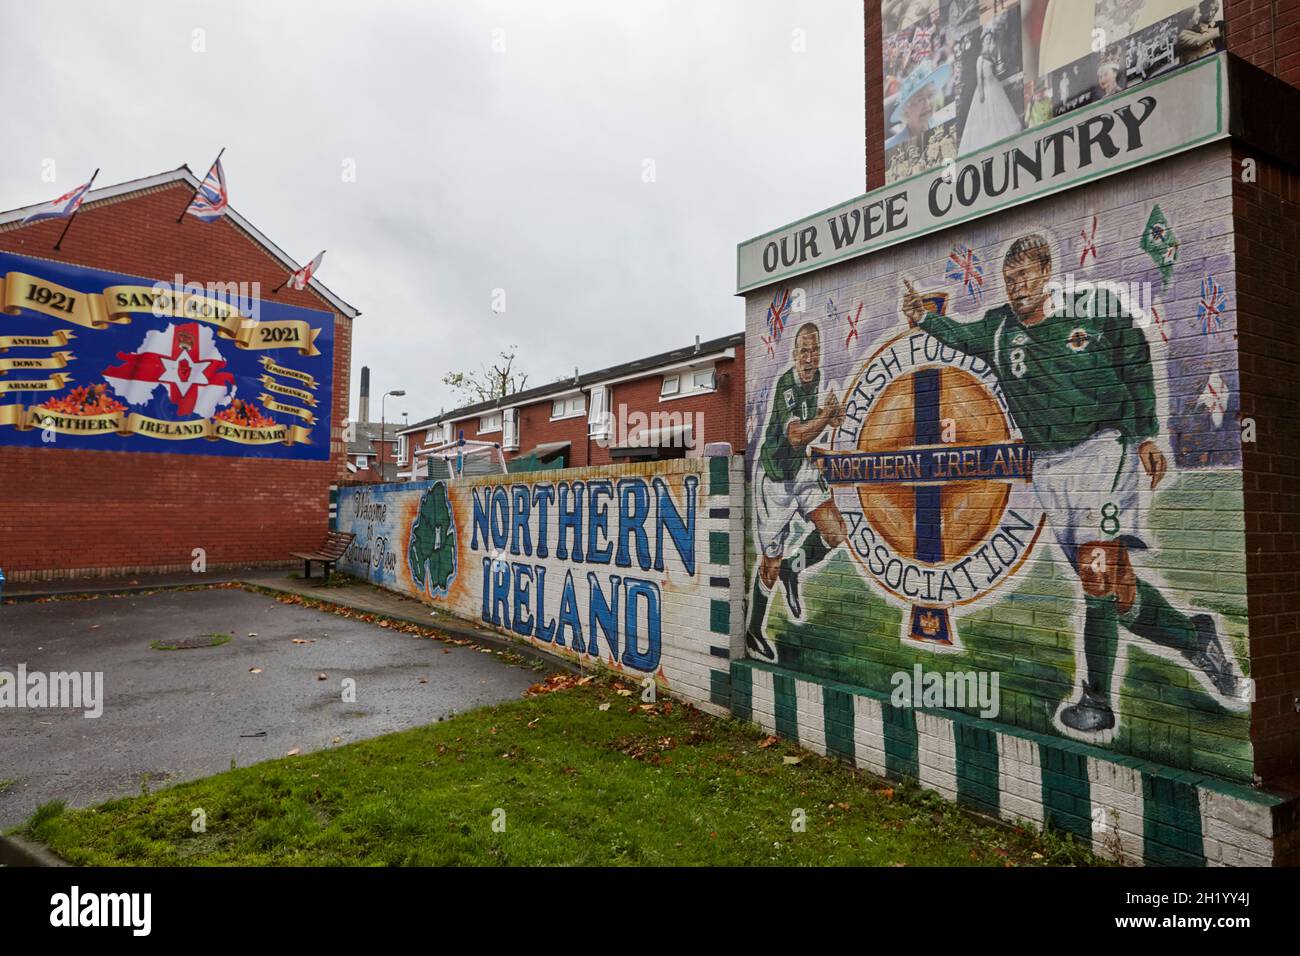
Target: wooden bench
x=328, y=554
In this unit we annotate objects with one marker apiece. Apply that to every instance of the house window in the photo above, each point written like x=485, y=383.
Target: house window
x=599, y=422
x=690, y=382
x=490, y=423
x=510, y=426
x=363, y=462
x=570, y=407
x=401, y=449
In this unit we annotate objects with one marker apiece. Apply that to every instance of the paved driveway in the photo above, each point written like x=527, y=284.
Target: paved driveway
x=182, y=714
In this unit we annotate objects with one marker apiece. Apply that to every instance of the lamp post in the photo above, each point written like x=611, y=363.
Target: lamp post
x=396, y=393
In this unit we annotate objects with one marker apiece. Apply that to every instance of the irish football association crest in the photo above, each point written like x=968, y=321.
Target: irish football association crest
x=932, y=478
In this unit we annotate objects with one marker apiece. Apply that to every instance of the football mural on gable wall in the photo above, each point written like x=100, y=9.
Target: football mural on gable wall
x=1014, y=448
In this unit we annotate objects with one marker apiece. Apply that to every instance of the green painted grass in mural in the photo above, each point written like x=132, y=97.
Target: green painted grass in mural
x=577, y=785
x=851, y=636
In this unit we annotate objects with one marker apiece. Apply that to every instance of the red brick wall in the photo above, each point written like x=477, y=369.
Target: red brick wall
x=723, y=410
x=70, y=513
x=1267, y=224
x=536, y=428
x=875, y=74
x=1267, y=34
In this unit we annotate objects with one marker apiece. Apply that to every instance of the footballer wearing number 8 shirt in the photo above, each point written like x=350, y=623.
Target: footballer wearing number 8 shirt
x=1080, y=386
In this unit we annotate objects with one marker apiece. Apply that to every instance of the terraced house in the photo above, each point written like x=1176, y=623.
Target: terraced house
x=665, y=406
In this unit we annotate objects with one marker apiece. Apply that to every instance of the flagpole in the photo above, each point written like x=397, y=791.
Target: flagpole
x=181, y=217
x=75, y=211
x=291, y=275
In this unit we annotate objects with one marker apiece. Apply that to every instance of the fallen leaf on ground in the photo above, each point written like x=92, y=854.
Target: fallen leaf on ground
x=294, y=752
x=625, y=693
x=792, y=760
x=337, y=740
x=604, y=706
x=255, y=670
x=766, y=742
x=321, y=677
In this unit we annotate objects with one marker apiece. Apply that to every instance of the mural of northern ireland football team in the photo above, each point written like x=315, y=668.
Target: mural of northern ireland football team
x=1076, y=374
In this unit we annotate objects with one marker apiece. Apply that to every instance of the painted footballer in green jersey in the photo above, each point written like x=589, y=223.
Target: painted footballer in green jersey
x=789, y=486
x=1079, y=382
x=1078, y=371
x=793, y=400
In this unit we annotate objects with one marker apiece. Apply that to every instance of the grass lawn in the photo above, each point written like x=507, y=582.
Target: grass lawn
x=571, y=783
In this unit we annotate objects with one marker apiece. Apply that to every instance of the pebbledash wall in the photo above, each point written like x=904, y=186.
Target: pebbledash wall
x=637, y=566
x=957, y=565
x=66, y=512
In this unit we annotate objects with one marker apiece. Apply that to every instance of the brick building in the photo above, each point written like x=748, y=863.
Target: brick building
x=665, y=406
x=157, y=489
x=961, y=297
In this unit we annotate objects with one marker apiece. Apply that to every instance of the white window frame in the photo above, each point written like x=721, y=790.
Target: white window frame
x=510, y=429
x=569, y=410
x=600, y=423
x=487, y=420
x=401, y=449
x=684, y=383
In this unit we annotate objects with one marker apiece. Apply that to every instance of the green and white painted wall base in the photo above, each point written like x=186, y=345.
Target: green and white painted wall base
x=1127, y=809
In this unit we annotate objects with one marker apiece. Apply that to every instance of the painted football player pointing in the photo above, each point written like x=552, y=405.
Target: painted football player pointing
x=789, y=485
x=1080, y=386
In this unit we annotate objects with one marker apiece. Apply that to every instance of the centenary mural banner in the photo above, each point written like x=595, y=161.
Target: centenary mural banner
x=103, y=361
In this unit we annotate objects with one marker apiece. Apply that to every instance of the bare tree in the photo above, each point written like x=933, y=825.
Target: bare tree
x=489, y=383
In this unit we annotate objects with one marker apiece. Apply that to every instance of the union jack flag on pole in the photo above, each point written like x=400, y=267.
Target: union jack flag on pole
x=300, y=278
x=65, y=205
x=211, y=199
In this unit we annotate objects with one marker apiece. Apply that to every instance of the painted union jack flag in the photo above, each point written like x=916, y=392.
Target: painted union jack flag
x=1214, y=301
x=778, y=313
x=65, y=205
x=964, y=266
x=922, y=42
x=211, y=201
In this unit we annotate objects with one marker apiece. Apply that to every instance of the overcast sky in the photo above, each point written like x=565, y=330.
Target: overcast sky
x=477, y=169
